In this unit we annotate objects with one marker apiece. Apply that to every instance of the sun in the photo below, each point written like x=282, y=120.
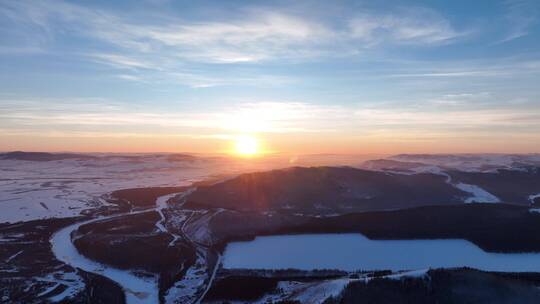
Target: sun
x=246, y=145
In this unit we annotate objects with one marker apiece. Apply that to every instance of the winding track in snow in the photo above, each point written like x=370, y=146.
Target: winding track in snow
x=137, y=289
x=211, y=279
x=161, y=203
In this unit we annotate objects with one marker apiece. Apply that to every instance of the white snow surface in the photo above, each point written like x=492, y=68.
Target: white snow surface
x=74, y=284
x=315, y=292
x=353, y=251
x=409, y=274
x=478, y=195
x=533, y=197
x=320, y=291
x=32, y=190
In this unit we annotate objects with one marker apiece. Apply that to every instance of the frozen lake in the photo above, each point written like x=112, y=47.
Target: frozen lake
x=353, y=251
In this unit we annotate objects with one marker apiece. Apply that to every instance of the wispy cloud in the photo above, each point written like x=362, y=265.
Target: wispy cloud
x=521, y=15
x=273, y=117
x=205, y=79
x=121, y=61
x=170, y=49
x=419, y=26
x=83, y=116
x=260, y=35
x=463, y=99
x=501, y=67
x=198, y=80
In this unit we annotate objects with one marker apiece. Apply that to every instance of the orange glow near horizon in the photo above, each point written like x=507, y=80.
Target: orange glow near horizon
x=267, y=143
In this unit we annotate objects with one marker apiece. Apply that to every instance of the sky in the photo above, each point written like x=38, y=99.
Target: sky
x=299, y=76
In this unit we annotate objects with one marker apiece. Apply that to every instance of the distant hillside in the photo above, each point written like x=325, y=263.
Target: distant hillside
x=45, y=156
x=392, y=165
x=42, y=156
x=515, y=186
x=472, y=162
x=326, y=190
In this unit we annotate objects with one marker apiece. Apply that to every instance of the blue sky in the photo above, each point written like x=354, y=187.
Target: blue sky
x=303, y=76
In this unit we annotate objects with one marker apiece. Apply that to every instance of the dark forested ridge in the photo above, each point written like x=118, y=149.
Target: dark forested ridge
x=442, y=287
x=493, y=227
x=320, y=190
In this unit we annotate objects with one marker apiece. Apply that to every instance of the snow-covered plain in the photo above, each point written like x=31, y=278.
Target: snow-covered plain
x=32, y=190
x=352, y=252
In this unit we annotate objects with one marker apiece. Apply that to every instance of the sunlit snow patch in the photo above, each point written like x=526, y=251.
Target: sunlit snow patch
x=532, y=198
x=479, y=195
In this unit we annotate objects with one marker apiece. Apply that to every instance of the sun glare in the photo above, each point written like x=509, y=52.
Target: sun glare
x=247, y=145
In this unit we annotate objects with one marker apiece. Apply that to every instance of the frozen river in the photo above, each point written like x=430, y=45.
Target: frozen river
x=353, y=251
